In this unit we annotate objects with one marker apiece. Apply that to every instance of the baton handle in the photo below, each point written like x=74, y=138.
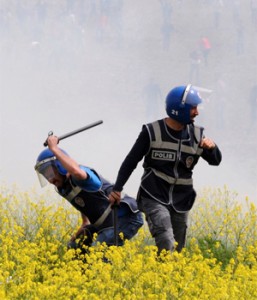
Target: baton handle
x=64, y=136
x=115, y=225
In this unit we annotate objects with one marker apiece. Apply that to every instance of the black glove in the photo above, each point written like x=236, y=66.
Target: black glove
x=86, y=237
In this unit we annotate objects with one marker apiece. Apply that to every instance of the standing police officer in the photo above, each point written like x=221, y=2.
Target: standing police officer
x=171, y=147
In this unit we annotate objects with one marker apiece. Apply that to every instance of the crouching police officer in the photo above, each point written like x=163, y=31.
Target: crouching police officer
x=88, y=192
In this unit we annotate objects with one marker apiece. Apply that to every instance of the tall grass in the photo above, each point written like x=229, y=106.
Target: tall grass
x=220, y=223
x=219, y=261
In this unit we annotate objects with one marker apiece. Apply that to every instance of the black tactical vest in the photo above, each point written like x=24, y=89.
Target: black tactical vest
x=170, y=160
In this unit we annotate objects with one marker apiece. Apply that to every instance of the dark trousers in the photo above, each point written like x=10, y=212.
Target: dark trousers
x=167, y=226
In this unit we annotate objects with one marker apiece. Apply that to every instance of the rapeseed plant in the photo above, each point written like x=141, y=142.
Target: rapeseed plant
x=219, y=262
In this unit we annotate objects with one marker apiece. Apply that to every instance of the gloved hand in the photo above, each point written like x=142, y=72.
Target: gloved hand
x=72, y=244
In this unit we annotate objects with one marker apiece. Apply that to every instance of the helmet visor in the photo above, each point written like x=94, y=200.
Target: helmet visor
x=195, y=95
x=46, y=171
x=42, y=180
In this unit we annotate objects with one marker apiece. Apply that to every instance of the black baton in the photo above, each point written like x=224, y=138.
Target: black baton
x=64, y=136
x=115, y=224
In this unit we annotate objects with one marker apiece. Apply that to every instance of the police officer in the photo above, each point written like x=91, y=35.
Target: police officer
x=88, y=192
x=171, y=147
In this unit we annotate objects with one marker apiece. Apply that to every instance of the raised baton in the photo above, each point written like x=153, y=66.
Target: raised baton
x=64, y=136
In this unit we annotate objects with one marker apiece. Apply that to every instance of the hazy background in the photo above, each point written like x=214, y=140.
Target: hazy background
x=66, y=64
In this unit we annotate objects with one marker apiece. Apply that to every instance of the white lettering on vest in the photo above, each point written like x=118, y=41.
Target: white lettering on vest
x=163, y=155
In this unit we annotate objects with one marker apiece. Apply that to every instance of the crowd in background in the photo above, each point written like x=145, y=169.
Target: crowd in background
x=141, y=49
x=59, y=34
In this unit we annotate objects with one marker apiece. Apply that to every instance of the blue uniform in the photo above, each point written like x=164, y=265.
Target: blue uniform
x=90, y=197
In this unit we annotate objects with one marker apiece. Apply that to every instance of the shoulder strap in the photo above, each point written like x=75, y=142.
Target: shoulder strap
x=198, y=133
x=157, y=131
x=103, y=216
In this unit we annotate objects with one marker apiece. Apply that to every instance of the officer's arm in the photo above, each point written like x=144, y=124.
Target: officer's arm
x=85, y=222
x=67, y=162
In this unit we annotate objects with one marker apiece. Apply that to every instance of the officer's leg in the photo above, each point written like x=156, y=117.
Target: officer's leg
x=179, y=225
x=159, y=223
x=107, y=236
x=130, y=224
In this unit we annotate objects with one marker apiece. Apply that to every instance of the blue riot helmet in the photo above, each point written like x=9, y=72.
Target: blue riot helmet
x=181, y=99
x=46, y=166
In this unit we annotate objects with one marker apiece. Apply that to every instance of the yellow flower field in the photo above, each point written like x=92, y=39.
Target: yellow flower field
x=219, y=261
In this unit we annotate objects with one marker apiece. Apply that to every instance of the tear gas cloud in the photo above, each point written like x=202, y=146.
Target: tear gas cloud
x=66, y=64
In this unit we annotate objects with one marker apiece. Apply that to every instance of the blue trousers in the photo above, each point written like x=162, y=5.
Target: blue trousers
x=128, y=225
